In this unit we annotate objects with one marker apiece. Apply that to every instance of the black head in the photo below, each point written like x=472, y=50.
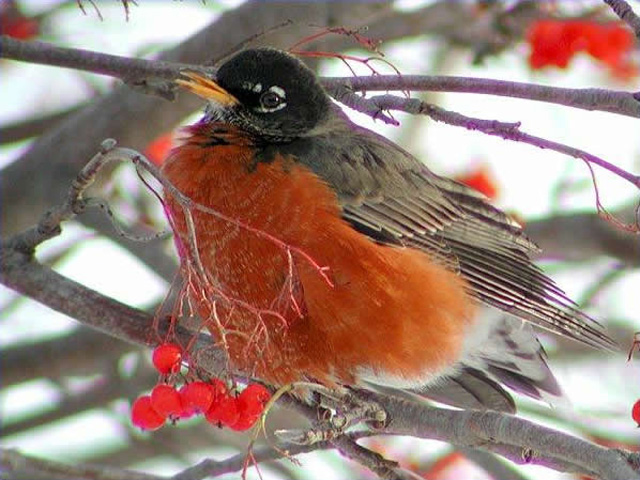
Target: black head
x=271, y=94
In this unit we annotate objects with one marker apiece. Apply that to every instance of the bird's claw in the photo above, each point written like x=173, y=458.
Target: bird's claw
x=347, y=408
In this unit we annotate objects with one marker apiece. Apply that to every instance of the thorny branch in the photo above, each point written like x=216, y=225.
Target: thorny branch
x=512, y=437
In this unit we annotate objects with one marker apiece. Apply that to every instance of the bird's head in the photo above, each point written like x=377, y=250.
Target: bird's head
x=265, y=91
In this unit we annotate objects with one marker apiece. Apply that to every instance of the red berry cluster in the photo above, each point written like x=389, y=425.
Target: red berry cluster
x=555, y=42
x=213, y=399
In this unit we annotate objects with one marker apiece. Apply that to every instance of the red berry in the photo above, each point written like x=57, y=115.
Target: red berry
x=165, y=400
x=224, y=411
x=481, y=180
x=219, y=388
x=253, y=399
x=197, y=397
x=552, y=43
x=251, y=404
x=635, y=412
x=144, y=416
x=159, y=148
x=22, y=28
x=244, y=423
x=167, y=357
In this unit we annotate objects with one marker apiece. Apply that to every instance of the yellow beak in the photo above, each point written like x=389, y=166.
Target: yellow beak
x=206, y=88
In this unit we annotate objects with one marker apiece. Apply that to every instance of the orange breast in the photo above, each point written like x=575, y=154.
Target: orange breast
x=374, y=310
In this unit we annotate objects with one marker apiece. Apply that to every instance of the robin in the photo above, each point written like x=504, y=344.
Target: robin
x=332, y=255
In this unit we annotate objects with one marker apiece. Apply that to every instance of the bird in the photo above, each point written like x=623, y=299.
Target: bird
x=329, y=254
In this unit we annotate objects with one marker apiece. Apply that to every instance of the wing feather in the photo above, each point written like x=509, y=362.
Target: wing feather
x=388, y=195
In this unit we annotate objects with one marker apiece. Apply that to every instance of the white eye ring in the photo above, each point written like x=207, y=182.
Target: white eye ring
x=272, y=100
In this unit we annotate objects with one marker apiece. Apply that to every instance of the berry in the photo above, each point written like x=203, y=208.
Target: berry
x=251, y=404
x=555, y=42
x=224, y=411
x=159, y=148
x=481, y=180
x=167, y=357
x=635, y=412
x=166, y=400
x=197, y=397
x=144, y=416
x=253, y=399
x=219, y=388
x=244, y=423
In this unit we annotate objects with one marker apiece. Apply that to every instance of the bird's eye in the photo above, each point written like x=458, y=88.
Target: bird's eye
x=271, y=100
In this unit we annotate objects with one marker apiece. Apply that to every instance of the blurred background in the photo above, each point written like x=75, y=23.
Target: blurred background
x=66, y=389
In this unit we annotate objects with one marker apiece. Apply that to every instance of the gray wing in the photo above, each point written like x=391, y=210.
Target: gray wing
x=388, y=195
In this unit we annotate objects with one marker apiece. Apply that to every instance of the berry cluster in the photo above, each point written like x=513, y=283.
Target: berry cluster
x=219, y=405
x=555, y=42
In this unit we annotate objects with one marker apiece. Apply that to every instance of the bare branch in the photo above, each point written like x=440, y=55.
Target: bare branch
x=592, y=99
x=507, y=131
x=375, y=462
x=626, y=14
x=134, y=71
x=532, y=443
x=32, y=127
x=577, y=236
x=493, y=465
x=17, y=466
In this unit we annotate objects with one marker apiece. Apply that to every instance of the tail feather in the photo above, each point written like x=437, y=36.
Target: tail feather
x=505, y=352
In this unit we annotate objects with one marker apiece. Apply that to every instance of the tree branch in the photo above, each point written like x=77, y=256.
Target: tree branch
x=626, y=14
x=125, y=68
x=512, y=437
x=22, y=467
x=136, y=70
x=533, y=443
x=592, y=99
x=507, y=131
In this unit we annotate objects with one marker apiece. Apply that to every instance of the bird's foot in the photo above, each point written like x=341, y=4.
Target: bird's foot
x=356, y=407
x=340, y=409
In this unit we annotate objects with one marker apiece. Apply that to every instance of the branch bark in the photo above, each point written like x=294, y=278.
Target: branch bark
x=531, y=443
